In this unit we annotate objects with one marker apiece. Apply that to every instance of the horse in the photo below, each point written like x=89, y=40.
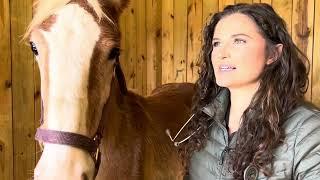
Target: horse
x=92, y=126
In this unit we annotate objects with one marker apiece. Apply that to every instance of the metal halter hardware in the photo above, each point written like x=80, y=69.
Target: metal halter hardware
x=91, y=145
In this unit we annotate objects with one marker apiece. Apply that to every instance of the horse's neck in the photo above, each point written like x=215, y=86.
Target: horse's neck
x=122, y=142
x=112, y=111
x=118, y=114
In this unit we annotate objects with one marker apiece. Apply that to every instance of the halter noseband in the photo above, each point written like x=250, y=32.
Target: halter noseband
x=91, y=145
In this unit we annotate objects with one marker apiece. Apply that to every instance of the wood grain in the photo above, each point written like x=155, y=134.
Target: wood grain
x=154, y=30
x=167, y=42
x=284, y=9
x=302, y=32
x=131, y=46
x=243, y=1
x=267, y=1
x=209, y=7
x=194, y=38
x=141, y=58
x=316, y=57
x=23, y=92
x=224, y=3
x=180, y=27
x=6, y=139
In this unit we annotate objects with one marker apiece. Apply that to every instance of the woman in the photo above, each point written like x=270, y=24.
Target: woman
x=250, y=121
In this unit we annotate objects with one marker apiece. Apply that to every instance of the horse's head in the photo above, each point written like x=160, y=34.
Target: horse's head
x=76, y=45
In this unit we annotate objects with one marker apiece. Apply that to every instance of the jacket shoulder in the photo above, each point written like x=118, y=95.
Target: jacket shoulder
x=307, y=141
x=303, y=115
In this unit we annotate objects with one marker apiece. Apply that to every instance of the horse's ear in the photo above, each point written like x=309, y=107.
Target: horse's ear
x=119, y=4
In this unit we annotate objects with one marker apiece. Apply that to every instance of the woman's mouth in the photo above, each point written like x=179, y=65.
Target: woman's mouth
x=226, y=68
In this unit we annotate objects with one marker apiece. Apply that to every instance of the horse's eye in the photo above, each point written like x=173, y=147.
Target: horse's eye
x=34, y=48
x=115, y=52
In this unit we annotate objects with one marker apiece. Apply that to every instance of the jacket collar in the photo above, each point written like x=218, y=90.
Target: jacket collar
x=219, y=106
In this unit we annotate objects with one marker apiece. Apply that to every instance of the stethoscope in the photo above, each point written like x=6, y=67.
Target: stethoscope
x=177, y=143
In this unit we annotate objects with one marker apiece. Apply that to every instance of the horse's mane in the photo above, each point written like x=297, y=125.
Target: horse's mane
x=45, y=8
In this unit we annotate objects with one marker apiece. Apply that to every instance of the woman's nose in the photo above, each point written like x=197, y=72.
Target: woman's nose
x=223, y=51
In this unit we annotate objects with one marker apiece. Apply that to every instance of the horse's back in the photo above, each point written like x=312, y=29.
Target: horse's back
x=180, y=88
x=171, y=103
x=174, y=95
x=168, y=107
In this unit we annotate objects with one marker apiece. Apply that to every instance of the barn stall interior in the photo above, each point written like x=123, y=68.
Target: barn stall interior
x=160, y=44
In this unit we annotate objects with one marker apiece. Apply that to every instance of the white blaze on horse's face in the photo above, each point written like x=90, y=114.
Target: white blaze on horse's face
x=70, y=45
x=75, y=84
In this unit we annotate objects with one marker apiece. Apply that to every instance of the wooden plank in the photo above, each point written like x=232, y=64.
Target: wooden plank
x=167, y=42
x=124, y=52
x=224, y=3
x=284, y=9
x=244, y=1
x=256, y=1
x=37, y=104
x=6, y=141
x=194, y=38
x=180, y=28
x=208, y=9
x=153, y=38
x=267, y=1
x=302, y=31
x=131, y=46
x=141, y=66
x=154, y=67
x=23, y=92
x=316, y=57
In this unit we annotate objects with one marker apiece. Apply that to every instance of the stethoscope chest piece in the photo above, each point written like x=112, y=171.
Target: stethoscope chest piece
x=251, y=173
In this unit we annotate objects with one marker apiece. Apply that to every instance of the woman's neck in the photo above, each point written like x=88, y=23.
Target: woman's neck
x=240, y=100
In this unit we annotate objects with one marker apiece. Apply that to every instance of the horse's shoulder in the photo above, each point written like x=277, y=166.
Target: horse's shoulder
x=161, y=99
x=173, y=88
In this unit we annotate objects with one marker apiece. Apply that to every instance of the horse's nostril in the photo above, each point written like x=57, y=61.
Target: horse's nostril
x=84, y=176
x=35, y=174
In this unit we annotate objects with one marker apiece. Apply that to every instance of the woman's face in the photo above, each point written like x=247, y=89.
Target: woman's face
x=238, y=55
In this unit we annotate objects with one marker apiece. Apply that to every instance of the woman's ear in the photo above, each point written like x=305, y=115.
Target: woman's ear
x=274, y=54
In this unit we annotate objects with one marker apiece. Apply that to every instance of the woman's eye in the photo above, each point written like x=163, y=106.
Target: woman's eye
x=34, y=48
x=215, y=44
x=239, y=41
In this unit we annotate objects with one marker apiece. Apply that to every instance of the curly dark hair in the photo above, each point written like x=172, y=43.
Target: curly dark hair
x=283, y=84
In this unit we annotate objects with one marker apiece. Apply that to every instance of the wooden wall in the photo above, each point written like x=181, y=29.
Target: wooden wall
x=17, y=93
x=162, y=38
x=160, y=44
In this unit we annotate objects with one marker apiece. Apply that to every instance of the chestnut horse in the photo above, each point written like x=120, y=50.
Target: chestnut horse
x=89, y=118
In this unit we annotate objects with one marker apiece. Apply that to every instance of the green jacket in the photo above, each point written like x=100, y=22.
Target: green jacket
x=297, y=158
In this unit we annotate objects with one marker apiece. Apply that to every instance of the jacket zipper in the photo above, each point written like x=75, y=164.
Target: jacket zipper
x=223, y=153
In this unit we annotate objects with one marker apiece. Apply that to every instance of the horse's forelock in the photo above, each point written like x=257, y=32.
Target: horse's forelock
x=44, y=9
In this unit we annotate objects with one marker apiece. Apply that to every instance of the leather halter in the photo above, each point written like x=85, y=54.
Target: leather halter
x=91, y=145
